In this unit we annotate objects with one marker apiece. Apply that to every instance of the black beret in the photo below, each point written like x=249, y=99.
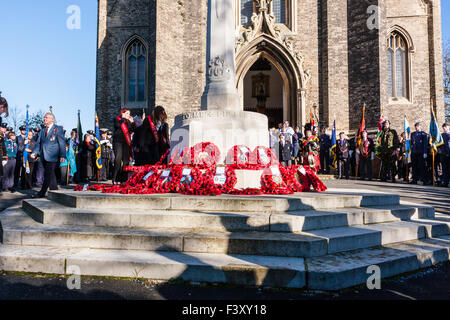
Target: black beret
x=21, y=128
x=4, y=125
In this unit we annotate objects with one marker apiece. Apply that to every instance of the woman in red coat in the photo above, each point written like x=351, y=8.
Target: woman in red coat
x=123, y=127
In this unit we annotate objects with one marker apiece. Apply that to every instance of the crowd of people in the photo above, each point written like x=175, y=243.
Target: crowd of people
x=351, y=157
x=44, y=158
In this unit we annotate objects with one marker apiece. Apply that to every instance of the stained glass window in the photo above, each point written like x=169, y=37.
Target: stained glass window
x=397, y=66
x=136, y=76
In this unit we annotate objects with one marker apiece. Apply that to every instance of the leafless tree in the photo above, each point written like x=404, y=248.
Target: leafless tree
x=16, y=118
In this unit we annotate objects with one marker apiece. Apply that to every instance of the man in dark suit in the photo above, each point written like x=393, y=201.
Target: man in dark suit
x=343, y=155
x=419, y=152
x=285, y=151
x=20, y=140
x=51, y=147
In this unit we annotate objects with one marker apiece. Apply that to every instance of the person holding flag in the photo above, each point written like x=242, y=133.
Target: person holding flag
x=362, y=127
x=380, y=130
x=333, y=150
x=389, y=147
x=436, y=139
x=98, y=150
x=445, y=155
x=405, y=152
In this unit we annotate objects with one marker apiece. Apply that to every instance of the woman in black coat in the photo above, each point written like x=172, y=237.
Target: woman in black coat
x=123, y=127
x=87, y=154
x=154, y=137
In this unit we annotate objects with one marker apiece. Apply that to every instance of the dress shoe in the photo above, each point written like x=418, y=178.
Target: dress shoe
x=37, y=196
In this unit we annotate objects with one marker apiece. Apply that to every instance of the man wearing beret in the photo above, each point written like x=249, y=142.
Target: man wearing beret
x=20, y=141
x=419, y=152
x=389, y=148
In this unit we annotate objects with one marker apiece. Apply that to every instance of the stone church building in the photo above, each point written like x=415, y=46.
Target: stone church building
x=295, y=58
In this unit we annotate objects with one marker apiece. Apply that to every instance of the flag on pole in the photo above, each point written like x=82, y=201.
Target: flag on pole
x=98, y=151
x=407, y=130
x=380, y=124
x=334, y=145
x=380, y=129
x=435, y=134
x=362, y=127
x=79, y=130
x=25, y=152
x=313, y=123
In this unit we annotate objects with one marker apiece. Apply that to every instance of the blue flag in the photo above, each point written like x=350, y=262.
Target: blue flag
x=334, y=145
x=435, y=134
x=98, y=151
x=25, y=152
x=407, y=130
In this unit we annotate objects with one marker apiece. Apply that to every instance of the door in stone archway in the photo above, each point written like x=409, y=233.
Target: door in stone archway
x=263, y=90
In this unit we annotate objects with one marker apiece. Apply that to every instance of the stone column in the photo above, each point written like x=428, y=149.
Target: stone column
x=220, y=91
x=221, y=120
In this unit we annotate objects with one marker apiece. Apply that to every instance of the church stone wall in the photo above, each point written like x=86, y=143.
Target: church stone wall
x=347, y=61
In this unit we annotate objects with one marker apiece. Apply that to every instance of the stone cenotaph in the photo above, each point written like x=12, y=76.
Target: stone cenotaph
x=221, y=119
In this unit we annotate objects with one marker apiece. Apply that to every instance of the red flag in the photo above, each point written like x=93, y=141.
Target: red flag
x=362, y=127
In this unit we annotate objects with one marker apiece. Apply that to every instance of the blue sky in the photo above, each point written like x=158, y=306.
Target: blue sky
x=43, y=63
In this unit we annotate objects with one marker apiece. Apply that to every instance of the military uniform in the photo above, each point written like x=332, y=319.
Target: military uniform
x=325, y=145
x=343, y=156
x=20, y=141
x=310, y=149
x=3, y=158
x=419, y=149
x=388, y=144
x=445, y=159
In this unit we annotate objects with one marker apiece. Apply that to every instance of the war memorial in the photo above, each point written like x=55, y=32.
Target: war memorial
x=325, y=240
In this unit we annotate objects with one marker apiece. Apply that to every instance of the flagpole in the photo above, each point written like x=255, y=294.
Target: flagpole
x=68, y=172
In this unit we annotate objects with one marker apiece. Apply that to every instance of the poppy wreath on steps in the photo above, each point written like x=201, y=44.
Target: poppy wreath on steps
x=238, y=157
x=262, y=157
x=274, y=183
x=289, y=176
x=202, y=155
x=164, y=181
x=216, y=184
x=307, y=178
x=188, y=180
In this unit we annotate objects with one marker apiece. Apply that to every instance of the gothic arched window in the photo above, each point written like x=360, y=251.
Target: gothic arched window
x=282, y=10
x=398, y=73
x=136, y=60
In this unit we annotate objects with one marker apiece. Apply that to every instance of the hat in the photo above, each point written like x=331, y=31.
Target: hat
x=10, y=129
x=36, y=129
x=110, y=133
x=90, y=132
x=21, y=128
x=42, y=126
x=103, y=131
x=3, y=125
x=386, y=121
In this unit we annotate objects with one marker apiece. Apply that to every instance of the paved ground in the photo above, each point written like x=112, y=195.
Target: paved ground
x=437, y=197
x=432, y=283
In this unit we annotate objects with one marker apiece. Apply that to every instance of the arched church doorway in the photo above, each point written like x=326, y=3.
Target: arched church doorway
x=263, y=90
